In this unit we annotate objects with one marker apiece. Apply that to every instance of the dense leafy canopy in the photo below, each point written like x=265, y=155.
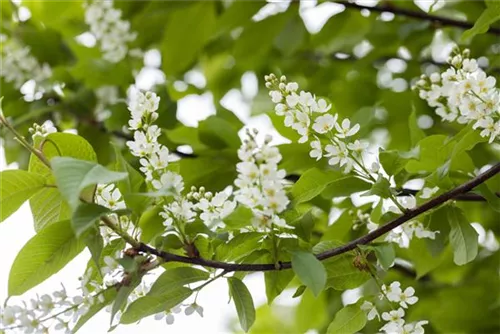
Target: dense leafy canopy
x=122, y=181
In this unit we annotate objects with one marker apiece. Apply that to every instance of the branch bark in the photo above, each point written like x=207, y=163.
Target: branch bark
x=431, y=204
x=415, y=15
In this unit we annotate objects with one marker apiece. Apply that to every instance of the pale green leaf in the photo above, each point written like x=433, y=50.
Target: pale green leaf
x=42, y=256
x=73, y=176
x=243, y=302
x=309, y=270
x=350, y=319
x=463, y=237
x=16, y=187
x=86, y=215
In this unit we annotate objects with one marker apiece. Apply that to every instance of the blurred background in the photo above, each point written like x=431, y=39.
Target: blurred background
x=207, y=61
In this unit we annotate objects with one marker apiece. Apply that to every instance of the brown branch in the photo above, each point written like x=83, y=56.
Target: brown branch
x=415, y=15
x=410, y=214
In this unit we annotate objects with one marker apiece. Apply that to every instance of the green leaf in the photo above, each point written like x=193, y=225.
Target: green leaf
x=491, y=197
x=176, y=277
x=149, y=304
x=73, y=175
x=95, y=243
x=110, y=249
x=380, y=188
x=243, y=302
x=385, y=253
x=42, y=256
x=218, y=133
x=312, y=183
x=238, y=247
x=151, y=224
x=179, y=49
x=340, y=270
x=416, y=133
x=489, y=16
x=239, y=218
x=109, y=296
x=463, y=237
x=48, y=206
x=86, y=215
x=276, y=281
x=133, y=183
x=123, y=292
x=16, y=187
x=350, y=319
x=300, y=290
x=309, y=270
x=345, y=186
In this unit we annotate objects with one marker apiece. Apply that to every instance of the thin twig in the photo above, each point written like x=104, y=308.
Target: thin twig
x=419, y=15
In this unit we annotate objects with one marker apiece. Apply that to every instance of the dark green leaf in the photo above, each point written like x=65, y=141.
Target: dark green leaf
x=309, y=270
x=243, y=302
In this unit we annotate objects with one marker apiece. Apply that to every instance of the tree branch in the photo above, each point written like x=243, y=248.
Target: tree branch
x=410, y=214
x=415, y=15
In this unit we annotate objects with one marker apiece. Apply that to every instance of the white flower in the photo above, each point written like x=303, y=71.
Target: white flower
x=169, y=181
x=408, y=202
x=194, y=308
x=316, y=152
x=357, y=146
x=345, y=129
x=428, y=192
x=276, y=96
x=339, y=155
x=325, y=123
x=395, y=316
x=370, y=309
x=407, y=297
x=393, y=292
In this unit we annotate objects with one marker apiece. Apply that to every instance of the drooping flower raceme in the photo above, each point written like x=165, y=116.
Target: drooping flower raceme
x=465, y=94
x=19, y=65
x=309, y=116
x=112, y=33
x=395, y=322
x=260, y=183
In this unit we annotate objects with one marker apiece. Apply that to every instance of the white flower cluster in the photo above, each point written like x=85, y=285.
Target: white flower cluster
x=47, y=313
x=42, y=130
x=395, y=322
x=308, y=115
x=168, y=315
x=109, y=29
x=19, y=66
x=154, y=157
x=260, y=183
x=464, y=93
x=106, y=96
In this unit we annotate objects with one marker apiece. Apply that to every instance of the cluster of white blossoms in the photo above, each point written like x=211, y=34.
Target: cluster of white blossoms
x=465, y=94
x=309, y=116
x=42, y=130
x=260, y=182
x=106, y=97
x=189, y=309
x=48, y=313
x=19, y=66
x=109, y=29
x=394, y=319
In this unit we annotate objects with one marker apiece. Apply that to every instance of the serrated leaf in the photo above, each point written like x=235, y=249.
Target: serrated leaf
x=350, y=319
x=16, y=187
x=463, y=237
x=381, y=188
x=42, y=256
x=176, y=277
x=241, y=245
x=309, y=270
x=73, y=176
x=48, y=205
x=340, y=270
x=243, y=301
x=86, y=215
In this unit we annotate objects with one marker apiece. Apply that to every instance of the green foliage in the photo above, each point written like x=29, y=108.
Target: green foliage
x=17, y=187
x=85, y=217
x=73, y=176
x=42, y=256
x=348, y=320
x=309, y=270
x=489, y=16
x=463, y=237
x=243, y=301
